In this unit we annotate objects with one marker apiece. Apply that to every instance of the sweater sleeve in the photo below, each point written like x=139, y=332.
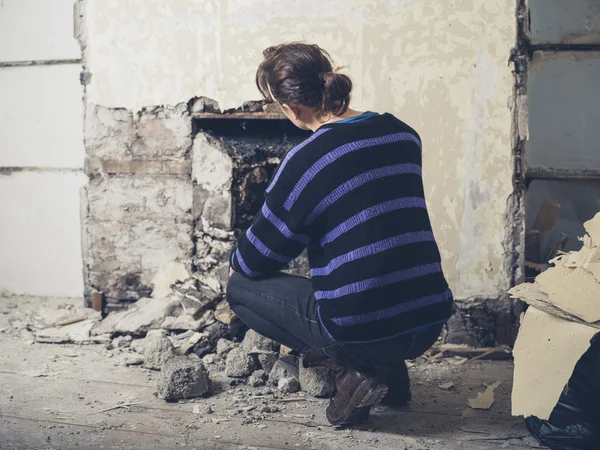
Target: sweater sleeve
x=274, y=239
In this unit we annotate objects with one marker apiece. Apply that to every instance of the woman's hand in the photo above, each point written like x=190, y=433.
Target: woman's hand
x=231, y=271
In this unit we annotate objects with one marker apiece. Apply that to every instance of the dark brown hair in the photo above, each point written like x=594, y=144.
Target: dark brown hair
x=302, y=74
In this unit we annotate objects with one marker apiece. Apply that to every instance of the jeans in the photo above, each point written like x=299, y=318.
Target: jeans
x=283, y=308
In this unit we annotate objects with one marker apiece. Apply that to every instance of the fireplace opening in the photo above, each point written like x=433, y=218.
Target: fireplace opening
x=256, y=147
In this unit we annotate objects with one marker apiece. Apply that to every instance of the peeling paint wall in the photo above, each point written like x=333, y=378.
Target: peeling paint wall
x=441, y=66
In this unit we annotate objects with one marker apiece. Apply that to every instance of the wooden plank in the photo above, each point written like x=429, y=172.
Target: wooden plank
x=239, y=116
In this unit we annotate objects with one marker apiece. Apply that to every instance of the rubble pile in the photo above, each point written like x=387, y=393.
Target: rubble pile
x=188, y=332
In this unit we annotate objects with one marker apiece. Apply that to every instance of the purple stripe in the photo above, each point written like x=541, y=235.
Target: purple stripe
x=338, y=153
x=282, y=227
x=244, y=266
x=372, y=283
x=392, y=311
x=371, y=249
x=354, y=183
x=370, y=213
x=292, y=152
x=264, y=250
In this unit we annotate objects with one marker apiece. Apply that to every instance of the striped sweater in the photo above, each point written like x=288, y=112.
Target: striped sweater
x=353, y=195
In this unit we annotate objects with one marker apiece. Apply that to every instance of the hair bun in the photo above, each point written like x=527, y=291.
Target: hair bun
x=337, y=88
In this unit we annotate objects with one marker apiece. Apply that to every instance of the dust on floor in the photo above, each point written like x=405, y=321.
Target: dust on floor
x=76, y=397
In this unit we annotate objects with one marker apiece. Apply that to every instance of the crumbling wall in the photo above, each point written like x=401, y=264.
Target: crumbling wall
x=138, y=203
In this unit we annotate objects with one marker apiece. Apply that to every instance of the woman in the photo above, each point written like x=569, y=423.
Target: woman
x=352, y=194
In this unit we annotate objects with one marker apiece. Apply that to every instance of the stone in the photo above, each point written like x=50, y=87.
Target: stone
x=224, y=314
x=162, y=282
x=288, y=385
x=182, y=378
x=122, y=341
x=267, y=361
x=162, y=132
x=239, y=364
x=316, y=381
x=224, y=346
x=256, y=343
x=257, y=379
x=280, y=371
x=109, y=132
x=158, y=349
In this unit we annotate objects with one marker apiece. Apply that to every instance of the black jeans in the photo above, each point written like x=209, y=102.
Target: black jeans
x=283, y=308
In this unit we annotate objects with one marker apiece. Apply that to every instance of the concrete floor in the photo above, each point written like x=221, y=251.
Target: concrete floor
x=56, y=396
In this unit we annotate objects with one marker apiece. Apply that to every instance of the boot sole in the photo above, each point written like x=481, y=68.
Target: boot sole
x=369, y=393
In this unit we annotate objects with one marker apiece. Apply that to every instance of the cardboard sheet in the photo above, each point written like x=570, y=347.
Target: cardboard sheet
x=576, y=291
x=532, y=294
x=546, y=351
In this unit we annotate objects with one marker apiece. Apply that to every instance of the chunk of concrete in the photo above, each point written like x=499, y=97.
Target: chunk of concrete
x=239, y=364
x=172, y=273
x=146, y=314
x=182, y=378
x=224, y=346
x=257, y=379
x=267, y=360
x=288, y=385
x=158, y=349
x=76, y=332
x=256, y=343
x=316, y=381
x=280, y=371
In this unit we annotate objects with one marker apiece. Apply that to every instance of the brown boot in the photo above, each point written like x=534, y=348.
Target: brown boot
x=356, y=391
x=398, y=382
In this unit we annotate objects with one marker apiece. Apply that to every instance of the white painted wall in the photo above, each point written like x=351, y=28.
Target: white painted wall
x=37, y=30
x=41, y=117
x=41, y=151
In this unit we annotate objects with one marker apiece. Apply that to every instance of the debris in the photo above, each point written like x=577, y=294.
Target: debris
x=484, y=400
x=188, y=344
x=187, y=322
x=164, y=279
x=196, y=409
x=288, y=385
x=446, y=386
x=34, y=373
x=500, y=352
x=70, y=321
x=316, y=381
x=256, y=343
x=483, y=355
x=143, y=315
x=257, y=379
x=224, y=346
x=224, y=314
x=267, y=361
x=280, y=370
x=293, y=399
x=238, y=364
x=285, y=350
x=78, y=332
x=133, y=360
x=122, y=405
x=182, y=378
x=158, y=349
